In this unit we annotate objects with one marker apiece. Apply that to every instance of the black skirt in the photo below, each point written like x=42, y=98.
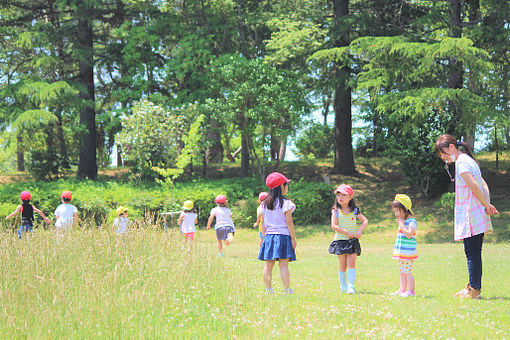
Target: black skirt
x=340, y=247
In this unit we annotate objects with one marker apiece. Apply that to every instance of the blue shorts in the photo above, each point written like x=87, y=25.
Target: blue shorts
x=275, y=247
x=222, y=233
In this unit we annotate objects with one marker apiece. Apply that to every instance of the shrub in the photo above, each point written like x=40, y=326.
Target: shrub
x=316, y=141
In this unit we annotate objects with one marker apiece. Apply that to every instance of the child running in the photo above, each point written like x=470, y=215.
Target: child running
x=224, y=226
x=122, y=221
x=66, y=213
x=405, y=244
x=262, y=196
x=27, y=214
x=346, y=243
x=277, y=228
x=187, y=221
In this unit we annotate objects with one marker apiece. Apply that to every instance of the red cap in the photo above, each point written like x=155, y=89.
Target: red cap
x=67, y=194
x=344, y=189
x=25, y=196
x=262, y=196
x=275, y=179
x=220, y=199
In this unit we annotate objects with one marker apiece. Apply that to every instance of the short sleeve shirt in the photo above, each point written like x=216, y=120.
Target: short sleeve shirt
x=223, y=217
x=65, y=214
x=188, y=222
x=470, y=216
x=274, y=220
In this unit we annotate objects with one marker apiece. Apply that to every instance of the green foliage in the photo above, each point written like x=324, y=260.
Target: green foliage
x=43, y=164
x=446, y=203
x=316, y=141
x=313, y=202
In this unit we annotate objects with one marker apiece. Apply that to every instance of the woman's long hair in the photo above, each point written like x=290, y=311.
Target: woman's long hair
x=444, y=142
x=275, y=195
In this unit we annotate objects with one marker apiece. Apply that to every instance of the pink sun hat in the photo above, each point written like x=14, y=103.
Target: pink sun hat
x=344, y=189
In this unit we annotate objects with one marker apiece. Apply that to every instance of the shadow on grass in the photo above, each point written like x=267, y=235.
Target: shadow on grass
x=495, y=298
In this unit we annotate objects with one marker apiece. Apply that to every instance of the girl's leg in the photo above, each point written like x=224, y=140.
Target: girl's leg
x=284, y=272
x=473, y=251
x=403, y=276
x=351, y=272
x=342, y=274
x=410, y=282
x=220, y=247
x=267, y=273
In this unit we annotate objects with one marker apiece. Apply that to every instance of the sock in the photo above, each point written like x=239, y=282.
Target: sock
x=351, y=274
x=342, y=276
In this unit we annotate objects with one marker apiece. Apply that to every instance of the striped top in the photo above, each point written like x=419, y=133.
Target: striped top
x=405, y=248
x=346, y=221
x=470, y=216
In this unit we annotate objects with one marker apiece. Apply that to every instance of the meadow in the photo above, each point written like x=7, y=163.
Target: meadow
x=93, y=284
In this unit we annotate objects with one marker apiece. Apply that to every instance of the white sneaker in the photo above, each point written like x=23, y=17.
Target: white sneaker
x=269, y=291
x=350, y=289
x=408, y=293
x=398, y=292
x=230, y=239
x=288, y=291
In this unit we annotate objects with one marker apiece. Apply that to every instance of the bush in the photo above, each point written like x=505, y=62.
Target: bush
x=446, y=203
x=316, y=141
x=43, y=164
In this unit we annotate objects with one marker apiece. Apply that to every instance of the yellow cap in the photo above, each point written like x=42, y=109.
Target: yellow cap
x=405, y=200
x=121, y=210
x=188, y=205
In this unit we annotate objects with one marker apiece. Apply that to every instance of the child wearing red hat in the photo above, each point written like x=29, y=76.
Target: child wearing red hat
x=27, y=213
x=66, y=213
x=277, y=228
x=346, y=243
x=224, y=226
x=262, y=196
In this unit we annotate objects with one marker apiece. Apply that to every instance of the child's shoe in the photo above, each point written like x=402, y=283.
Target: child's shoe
x=269, y=291
x=350, y=289
x=408, y=293
x=229, y=240
x=288, y=291
x=220, y=255
x=398, y=292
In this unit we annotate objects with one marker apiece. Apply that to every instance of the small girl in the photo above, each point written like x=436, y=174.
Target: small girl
x=27, y=214
x=122, y=220
x=262, y=196
x=224, y=226
x=405, y=244
x=187, y=221
x=346, y=243
x=277, y=229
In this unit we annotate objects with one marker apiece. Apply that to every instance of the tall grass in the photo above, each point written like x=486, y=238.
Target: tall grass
x=92, y=284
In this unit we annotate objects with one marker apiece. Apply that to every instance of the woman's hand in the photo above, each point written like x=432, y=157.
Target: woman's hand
x=491, y=210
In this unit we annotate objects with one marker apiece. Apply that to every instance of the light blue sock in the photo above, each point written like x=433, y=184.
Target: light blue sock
x=351, y=274
x=342, y=276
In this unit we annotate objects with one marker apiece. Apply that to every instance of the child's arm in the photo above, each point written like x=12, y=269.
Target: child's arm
x=364, y=224
x=290, y=226
x=408, y=232
x=179, y=220
x=209, y=221
x=262, y=226
x=259, y=217
x=336, y=228
x=47, y=220
x=18, y=209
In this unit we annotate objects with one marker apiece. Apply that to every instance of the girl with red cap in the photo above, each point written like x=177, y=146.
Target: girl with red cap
x=224, y=226
x=277, y=228
x=262, y=196
x=27, y=214
x=346, y=243
x=66, y=213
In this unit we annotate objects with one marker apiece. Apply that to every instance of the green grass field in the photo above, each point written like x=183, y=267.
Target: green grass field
x=92, y=284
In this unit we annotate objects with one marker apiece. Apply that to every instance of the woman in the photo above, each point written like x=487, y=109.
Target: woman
x=472, y=208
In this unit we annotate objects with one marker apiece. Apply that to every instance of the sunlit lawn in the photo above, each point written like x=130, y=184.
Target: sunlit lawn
x=95, y=285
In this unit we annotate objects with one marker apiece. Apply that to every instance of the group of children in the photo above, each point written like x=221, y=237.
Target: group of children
x=276, y=230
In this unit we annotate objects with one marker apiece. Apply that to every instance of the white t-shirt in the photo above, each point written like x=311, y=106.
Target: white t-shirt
x=64, y=214
x=274, y=220
x=188, y=222
x=122, y=224
x=223, y=217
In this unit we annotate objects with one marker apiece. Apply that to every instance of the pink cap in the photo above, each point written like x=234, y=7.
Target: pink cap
x=344, y=189
x=25, y=196
x=275, y=179
x=262, y=196
x=67, y=194
x=220, y=199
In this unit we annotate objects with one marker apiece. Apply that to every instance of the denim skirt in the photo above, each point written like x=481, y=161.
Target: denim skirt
x=275, y=247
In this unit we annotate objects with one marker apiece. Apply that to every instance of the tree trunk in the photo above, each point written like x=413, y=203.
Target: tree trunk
x=20, y=155
x=344, y=156
x=119, y=155
x=245, y=155
x=214, y=154
x=283, y=149
x=455, y=80
x=87, y=166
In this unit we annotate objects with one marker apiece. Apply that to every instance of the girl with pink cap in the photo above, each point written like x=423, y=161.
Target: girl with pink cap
x=277, y=229
x=27, y=213
x=224, y=226
x=346, y=243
